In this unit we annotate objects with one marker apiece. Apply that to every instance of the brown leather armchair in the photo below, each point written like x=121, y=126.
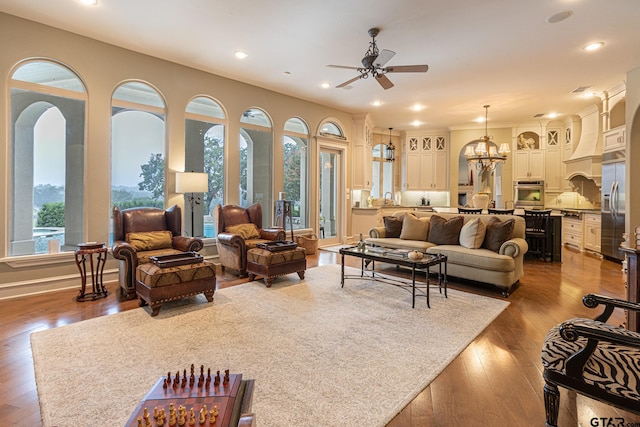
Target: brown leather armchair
x=140, y=220
x=232, y=247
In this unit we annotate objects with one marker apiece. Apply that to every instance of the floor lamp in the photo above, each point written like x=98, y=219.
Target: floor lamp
x=191, y=183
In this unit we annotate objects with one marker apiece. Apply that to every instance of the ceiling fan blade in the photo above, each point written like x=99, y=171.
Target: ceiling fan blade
x=348, y=82
x=344, y=66
x=407, y=69
x=384, y=81
x=383, y=57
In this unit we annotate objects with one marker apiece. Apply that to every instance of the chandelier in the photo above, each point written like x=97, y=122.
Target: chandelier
x=390, y=150
x=484, y=155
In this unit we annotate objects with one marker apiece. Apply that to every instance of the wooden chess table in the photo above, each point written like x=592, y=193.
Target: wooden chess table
x=227, y=395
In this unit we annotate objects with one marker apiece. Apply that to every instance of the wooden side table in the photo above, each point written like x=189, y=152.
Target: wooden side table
x=283, y=211
x=85, y=252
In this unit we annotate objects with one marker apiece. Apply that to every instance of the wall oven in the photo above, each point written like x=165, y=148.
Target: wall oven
x=528, y=194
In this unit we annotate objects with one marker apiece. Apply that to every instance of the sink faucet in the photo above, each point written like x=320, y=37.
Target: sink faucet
x=390, y=197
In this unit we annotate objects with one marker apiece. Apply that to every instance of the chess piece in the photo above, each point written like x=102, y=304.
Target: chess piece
x=202, y=417
x=214, y=411
x=226, y=377
x=212, y=418
x=140, y=422
x=216, y=381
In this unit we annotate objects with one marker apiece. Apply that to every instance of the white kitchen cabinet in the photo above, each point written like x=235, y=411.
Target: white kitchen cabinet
x=614, y=139
x=572, y=232
x=553, y=170
x=362, y=163
x=529, y=165
x=425, y=166
x=592, y=232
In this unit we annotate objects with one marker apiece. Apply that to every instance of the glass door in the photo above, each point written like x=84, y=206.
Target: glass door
x=330, y=223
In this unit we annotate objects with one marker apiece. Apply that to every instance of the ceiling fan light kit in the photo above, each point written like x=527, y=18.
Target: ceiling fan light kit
x=373, y=65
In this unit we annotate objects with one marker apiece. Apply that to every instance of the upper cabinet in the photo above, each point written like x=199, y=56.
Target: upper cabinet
x=528, y=157
x=553, y=166
x=362, y=153
x=614, y=139
x=425, y=163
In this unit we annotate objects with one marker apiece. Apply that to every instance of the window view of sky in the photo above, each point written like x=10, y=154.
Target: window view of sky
x=49, y=152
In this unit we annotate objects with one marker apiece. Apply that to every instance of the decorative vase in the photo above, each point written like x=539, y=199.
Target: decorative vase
x=480, y=200
x=415, y=255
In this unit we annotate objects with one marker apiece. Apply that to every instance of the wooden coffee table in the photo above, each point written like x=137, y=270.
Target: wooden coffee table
x=370, y=254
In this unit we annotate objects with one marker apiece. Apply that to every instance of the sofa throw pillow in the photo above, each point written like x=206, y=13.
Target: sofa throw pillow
x=414, y=228
x=497, y=233
x=392, y=226
x=472, y=234
x=246, y=231
x=149, y=240
x=445, y=232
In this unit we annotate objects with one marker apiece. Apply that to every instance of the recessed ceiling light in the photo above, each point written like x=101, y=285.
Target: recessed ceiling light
x=588, y=94
x=479, y=120
x=89, y=2
x=240, y=54
x=325, y=85
x=593, y=46
x=416, y=123
x=376, y=103
x=287, y=73
x=417, y=107
x=552, y=115
x=559, y=17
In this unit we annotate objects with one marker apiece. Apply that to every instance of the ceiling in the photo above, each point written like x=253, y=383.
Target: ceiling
x=498, y=52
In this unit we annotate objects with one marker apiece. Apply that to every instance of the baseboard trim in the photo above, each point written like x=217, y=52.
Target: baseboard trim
x=69, y=281
x=49, y=284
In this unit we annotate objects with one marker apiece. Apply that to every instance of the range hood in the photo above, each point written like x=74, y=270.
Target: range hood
x=586, y=159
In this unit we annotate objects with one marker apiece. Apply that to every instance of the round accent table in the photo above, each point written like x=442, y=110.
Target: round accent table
x=86, y=252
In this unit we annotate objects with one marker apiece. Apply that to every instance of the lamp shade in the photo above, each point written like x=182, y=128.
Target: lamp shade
x=192, y=182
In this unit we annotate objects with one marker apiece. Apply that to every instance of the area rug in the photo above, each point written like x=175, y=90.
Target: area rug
x=335, y=248
x=319, y=354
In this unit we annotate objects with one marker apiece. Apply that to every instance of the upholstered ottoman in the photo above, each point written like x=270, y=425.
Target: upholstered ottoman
x=261, y=262
x=156, y=285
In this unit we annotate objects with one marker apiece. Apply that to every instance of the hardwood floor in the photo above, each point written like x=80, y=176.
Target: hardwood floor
x=496, y=380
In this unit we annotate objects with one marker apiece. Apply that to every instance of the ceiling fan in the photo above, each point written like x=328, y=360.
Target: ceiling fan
x=373, y=64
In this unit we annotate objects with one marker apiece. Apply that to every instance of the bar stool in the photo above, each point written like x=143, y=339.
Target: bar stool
x=537, y=231
x=470, y=210
x=496, y=211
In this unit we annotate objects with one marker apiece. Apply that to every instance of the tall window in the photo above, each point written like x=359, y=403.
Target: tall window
x=47, y=158
x=204, y=152
x=256, y=143
x=295, y=169
x=137, y=146
x=382, y=173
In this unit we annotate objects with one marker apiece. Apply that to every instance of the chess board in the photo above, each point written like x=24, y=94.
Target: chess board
x=186, y=394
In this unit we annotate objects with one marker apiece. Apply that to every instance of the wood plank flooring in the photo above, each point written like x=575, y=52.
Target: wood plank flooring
x=496, y=380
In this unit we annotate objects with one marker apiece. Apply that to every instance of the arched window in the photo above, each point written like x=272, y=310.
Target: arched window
x=137, y=146
x=47, y=158
x=204, y=152
x=331, y=129
x=256, y=147
x=295, y=169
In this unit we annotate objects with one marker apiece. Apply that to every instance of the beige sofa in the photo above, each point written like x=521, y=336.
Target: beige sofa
x=502, y=268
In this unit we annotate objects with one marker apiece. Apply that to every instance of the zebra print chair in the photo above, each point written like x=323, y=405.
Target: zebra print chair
x=594, y=359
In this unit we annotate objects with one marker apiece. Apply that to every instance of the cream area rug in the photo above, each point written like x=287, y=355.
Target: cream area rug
x=320, y=354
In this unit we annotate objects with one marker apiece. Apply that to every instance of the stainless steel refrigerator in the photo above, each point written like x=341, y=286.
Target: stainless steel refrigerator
x=613, y=209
